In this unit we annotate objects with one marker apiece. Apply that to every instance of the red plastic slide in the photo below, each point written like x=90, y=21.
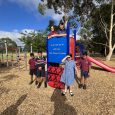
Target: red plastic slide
x=102, y=65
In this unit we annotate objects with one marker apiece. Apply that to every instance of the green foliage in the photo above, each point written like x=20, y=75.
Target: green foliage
x=80, y=6
x=99, y=17
x=38, y=41
x=94, y=28
x=91, y=13
x=11, y=45
x=41, y=8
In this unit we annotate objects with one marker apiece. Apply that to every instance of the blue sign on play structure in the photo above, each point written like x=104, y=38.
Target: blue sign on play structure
x=57, y=49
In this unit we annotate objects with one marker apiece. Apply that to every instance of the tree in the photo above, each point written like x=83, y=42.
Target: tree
x=111, y=44
x=11, y=44
x=103, y=28
x=84, y=9
x=36, y=38
x=79, y=8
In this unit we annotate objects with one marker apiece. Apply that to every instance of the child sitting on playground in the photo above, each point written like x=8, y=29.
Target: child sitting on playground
x=32, y=64
x=53, y=32
x=68, y=76
x=85, y=66
x=61, y=30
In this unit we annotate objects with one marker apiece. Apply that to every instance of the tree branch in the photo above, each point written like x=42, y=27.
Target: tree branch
x=106, y=33
x=114, y=14
x=104, y=30
x=114, y=46
x=102, y=26
x=100, y=44
x=113, y=25
x=103, y=23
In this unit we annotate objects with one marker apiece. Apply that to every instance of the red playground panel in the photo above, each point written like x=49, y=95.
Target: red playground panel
x=54, y=75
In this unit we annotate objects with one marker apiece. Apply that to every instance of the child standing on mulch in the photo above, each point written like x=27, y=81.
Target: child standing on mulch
x=68, y=76
x=85, y=66
x=41, y=61
x=32, y=64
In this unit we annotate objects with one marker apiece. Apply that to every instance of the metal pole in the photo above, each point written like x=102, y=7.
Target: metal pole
x=12, y=59
x=17, y=52
x=0, y=60
x=68, y=35
x=6, y=47
x=25, y=58
x=31, y=49
x=2, y=57
x=6, y=52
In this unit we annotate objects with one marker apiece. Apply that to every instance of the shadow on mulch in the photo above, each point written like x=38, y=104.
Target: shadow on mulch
x=8, y=78
x=60, y=105
x=13, y=109
x=97, y=68
x=5, y=69
x=77, y=80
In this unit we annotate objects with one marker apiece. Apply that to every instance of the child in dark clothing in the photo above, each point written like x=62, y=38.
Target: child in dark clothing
x=62, y=30
x=85, y=65
x=41, y=61
x=32, y=63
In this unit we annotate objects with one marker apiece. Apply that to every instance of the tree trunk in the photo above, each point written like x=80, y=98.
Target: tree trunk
x=105, y=51
x=108, y=57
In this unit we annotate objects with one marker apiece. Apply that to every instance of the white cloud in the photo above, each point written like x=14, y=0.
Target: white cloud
x=27, y=31
x=57, y=17
x=32, y=6
x=51, y=13
x=13, y=36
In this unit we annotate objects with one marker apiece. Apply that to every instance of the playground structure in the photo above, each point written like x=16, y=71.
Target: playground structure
x=11, y=57
x=102, y=65
x=58, y=48
x=13, y=60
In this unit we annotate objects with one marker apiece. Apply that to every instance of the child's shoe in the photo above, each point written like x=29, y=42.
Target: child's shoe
x=63, y=93
x=36, y=82
x=84, y=86
x=71, y=93
x=39, y=85
x=80, y=85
